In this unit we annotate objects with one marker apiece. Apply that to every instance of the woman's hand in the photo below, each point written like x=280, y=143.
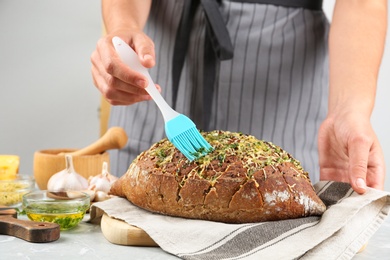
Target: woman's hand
x=118, y=83
x=349, y=151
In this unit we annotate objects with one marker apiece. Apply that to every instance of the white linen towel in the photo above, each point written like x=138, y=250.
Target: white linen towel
x=345, y=227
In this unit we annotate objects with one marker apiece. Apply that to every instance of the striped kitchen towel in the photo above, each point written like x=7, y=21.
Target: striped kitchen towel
x=345, y=227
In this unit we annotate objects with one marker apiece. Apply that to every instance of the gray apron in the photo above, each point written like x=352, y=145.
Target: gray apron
x=275, y=85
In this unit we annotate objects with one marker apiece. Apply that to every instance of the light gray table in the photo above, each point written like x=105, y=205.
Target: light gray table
x=86, y=241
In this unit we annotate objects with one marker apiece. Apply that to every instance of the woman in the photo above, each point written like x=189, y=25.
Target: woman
x=258, y=67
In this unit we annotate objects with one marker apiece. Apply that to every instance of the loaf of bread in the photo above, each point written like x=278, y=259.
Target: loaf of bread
x=242, y=180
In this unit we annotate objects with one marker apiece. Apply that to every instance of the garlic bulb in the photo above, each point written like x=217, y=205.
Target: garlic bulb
x=99, y=184
x=103, y=181
x=67, y=179
x=109, y=176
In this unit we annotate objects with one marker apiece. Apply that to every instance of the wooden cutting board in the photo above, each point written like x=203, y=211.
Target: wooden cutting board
x=119, y=232
x=36, y=232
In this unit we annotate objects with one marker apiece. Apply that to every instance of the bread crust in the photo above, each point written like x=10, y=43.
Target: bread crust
x=227, y=185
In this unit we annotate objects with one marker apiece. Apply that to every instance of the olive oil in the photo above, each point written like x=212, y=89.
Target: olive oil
x=66, y=221
x=67, y=212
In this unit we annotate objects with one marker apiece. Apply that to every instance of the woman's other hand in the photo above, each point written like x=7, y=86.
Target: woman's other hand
x=350, y=152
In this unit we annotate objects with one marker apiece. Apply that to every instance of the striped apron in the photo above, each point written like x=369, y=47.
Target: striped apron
x=274, y=84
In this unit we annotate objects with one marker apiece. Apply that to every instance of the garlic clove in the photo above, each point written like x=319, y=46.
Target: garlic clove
x=72, y=194
x=91, y=194
x=101, y=196
x=92, y=187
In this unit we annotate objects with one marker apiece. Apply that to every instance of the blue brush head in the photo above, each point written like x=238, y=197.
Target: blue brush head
x=184, y=135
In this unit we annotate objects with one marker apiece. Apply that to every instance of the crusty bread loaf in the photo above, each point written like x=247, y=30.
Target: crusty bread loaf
x=242, y=180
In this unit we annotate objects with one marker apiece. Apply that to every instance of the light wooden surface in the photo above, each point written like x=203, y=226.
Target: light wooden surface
x=119, y=232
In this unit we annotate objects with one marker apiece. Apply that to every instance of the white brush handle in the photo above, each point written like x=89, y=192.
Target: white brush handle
x=130, y=58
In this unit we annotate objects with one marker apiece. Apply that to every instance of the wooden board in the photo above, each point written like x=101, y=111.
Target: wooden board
x=37, y=232
x=119, y=232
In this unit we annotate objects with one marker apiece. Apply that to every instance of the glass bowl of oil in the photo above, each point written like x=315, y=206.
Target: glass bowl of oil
x=66, y=208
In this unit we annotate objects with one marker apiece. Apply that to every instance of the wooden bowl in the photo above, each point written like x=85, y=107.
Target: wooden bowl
x=49, y=162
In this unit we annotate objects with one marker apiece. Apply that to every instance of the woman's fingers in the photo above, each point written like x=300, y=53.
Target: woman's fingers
x=358, y=151
x=118, y=83
x=116, y=96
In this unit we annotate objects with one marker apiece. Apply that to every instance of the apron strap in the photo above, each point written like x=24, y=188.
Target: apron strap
x=181, y=45
x=216, y=32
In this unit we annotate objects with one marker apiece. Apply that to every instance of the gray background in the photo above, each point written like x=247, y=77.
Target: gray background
x=47, y=97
